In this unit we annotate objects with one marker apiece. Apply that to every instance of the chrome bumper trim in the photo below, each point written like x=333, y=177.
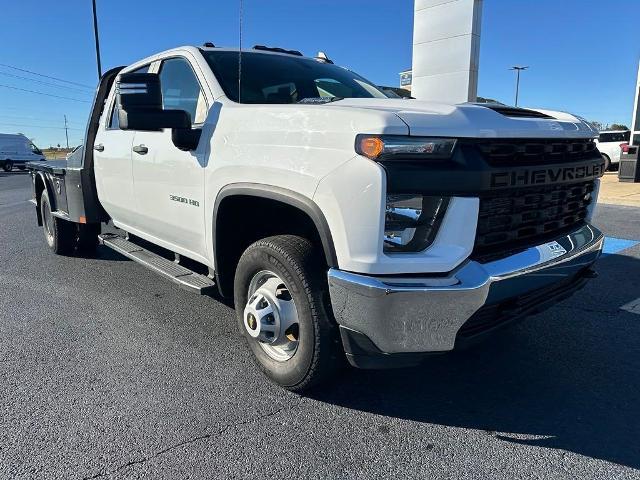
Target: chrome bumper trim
x=424, y=314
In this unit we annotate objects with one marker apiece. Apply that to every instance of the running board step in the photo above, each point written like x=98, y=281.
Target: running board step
x=176, y=273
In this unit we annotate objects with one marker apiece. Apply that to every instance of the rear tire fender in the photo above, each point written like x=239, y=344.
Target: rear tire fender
x=40, y=184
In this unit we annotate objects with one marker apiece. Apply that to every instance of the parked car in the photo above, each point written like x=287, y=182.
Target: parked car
x=342, y=223
x=610, y=143
x=16, y=150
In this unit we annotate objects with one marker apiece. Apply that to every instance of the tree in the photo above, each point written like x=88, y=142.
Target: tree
x=487, y=100
x=618, y=126
x=598, y=125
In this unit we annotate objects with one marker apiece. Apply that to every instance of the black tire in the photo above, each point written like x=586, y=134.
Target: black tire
x=607, y=161
x=59, y=234
x=319, y=352
x=8, y=166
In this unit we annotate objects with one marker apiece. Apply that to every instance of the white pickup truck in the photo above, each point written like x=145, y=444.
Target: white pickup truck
x=343, y=223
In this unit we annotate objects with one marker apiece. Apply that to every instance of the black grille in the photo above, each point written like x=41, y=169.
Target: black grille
x=493, y=316
x=517, y=219
x=510, y=152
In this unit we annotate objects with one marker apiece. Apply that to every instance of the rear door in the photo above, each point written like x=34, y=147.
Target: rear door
x=168, y=182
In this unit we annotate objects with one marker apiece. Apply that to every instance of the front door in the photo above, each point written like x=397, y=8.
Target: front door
x=168, y=182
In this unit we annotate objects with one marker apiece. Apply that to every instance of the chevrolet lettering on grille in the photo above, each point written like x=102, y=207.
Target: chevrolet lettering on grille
x=545, y=176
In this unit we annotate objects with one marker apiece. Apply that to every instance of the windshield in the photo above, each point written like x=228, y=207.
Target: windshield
x=35, y=149
x=270, y=78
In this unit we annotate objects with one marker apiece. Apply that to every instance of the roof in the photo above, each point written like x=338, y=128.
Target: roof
x=252, y=50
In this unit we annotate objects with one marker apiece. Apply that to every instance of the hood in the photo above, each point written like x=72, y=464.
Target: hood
x=471, y=120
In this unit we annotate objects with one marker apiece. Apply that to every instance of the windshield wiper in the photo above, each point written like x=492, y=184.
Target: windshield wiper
x=320, y=100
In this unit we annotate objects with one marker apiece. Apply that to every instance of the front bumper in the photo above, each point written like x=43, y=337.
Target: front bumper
x=396, y=320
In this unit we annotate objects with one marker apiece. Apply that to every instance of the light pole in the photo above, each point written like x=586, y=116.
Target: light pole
x=518, y=69
x=95, y=33
x=66, y=131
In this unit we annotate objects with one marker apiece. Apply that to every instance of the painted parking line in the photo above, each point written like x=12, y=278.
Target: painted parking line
x=633, y=306
x=614, y=245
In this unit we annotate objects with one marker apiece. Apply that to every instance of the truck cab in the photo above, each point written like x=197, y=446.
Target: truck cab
x=343, y=224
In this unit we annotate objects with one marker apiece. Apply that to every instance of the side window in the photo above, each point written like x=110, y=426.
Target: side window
x=113, y=119
x=181, y=89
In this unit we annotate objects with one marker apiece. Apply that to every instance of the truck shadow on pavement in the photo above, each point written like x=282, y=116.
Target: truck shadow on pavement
x=565, y=379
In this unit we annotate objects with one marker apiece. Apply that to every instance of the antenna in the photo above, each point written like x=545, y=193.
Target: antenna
x=240, y=56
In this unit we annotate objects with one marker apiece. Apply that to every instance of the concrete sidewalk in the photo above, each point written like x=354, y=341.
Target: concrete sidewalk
x=618, y=193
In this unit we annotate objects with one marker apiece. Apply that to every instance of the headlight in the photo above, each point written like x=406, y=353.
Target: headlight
x=388, y=147
x=412, y=222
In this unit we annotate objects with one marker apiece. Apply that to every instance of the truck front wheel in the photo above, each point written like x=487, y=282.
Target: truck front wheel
x=58, y=233
x=8, y=165
x=282, y=308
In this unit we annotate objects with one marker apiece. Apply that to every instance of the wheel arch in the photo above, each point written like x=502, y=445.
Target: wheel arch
x=294, y=201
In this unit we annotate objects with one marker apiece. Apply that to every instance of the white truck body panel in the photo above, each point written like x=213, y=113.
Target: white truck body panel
x=391, y=226
x=307, y=149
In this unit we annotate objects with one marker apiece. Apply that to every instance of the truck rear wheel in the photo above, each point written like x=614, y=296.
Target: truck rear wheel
x=8, y=165
x=59, y=234
x=282, y=308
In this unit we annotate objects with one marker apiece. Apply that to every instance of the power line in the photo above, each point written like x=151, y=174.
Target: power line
x=37, y=126
x=37, y=117
x=43, y=93
x=32, y=113
x=46, y=76
x=45, y=83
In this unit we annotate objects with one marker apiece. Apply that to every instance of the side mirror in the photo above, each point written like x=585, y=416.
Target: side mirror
x=186, y=138
x=139, y=100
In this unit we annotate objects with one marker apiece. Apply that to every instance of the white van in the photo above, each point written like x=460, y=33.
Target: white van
x=610, y=143
x=16, y=150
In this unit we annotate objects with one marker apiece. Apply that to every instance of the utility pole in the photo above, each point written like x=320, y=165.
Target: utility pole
x=66, y=131
x=518, y=69
x=95, y=33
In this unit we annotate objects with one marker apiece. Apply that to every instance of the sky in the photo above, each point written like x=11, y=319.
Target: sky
x=583, y=54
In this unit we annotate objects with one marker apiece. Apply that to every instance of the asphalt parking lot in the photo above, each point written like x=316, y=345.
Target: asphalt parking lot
x=107, y=370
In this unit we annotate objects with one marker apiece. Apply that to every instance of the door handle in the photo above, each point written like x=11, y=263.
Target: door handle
x=141, y=149
x=99, y=147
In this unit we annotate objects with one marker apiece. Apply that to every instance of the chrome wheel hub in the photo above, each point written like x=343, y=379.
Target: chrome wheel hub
x=47, y=220
x=270, y=316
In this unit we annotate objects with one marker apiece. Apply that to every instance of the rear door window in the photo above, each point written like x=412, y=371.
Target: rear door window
x=615, y=137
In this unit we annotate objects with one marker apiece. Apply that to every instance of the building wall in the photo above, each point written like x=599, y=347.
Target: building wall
x=446, y=50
